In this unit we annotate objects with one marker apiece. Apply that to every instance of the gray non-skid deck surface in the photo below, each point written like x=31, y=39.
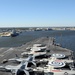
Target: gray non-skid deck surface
x=6, y=53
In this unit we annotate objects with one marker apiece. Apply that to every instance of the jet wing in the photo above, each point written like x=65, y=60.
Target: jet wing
x=16, y=59
x=8, y=68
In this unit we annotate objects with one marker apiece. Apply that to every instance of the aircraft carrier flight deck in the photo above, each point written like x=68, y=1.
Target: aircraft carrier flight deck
x=9, y=52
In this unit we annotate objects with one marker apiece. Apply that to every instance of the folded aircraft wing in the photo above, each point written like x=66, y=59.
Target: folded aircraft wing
x=8, y=68
x=17, y=59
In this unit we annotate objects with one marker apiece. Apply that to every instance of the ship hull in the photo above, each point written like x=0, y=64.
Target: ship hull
x=13, y=35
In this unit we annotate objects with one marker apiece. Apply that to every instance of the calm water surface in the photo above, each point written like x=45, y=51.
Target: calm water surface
x=65, y=38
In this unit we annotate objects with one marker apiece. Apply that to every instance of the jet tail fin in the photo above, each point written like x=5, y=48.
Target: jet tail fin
x=31, y=58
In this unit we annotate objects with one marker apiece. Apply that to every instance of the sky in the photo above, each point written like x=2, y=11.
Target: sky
x=37, y=13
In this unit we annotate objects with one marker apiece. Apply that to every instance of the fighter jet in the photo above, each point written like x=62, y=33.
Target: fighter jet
x=17, y=59
x=21, y=69
x=36, y=54
x=59, y=67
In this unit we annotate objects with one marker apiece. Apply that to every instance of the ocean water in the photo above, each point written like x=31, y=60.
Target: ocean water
x=65, y=38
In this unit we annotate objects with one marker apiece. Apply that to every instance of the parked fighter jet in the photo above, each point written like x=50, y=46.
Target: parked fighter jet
x=21, y=69
x=36, y=54
x=17, y=59
x=59, y=67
